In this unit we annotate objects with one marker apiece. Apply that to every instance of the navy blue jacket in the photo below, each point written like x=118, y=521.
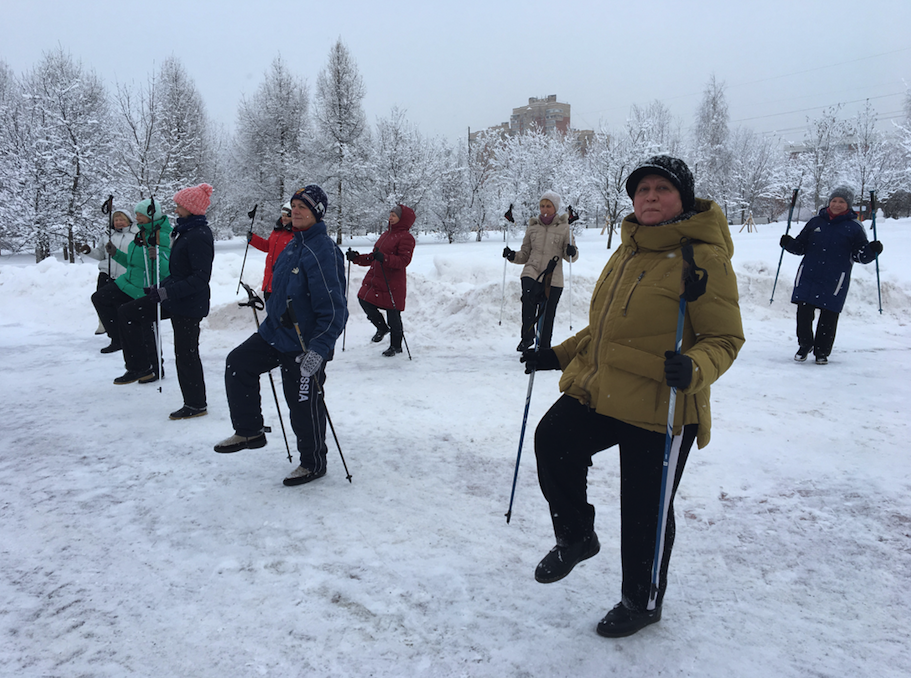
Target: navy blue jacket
x=310, y=270
x=829, y=250
x=192, y=252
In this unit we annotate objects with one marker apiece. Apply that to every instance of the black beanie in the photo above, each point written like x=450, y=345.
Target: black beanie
x=672, y=169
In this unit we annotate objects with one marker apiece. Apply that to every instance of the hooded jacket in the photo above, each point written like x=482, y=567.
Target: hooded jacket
x=134, y=259
x=616, y=364
x=397, y=246
x=829, y=248
x=541, y=244
x=277, y=241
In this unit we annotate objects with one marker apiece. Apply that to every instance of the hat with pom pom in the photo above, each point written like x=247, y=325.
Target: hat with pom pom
x=194, y=199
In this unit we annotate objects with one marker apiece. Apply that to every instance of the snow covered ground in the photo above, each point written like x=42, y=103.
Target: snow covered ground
x=128, y=547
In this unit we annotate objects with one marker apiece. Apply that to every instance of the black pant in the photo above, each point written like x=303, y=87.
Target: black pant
x=136, y=325
x=189, y=365
x=533, y=304
x=567, y=437
x=824, y=338
x=106, y=300
x=304, y=396
x=396, y=331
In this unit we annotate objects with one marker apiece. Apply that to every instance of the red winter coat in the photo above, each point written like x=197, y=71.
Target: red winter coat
x=273, y=247
x=397, y=246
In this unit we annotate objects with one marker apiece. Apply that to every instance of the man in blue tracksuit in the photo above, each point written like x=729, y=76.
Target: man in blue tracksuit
x=311, y=273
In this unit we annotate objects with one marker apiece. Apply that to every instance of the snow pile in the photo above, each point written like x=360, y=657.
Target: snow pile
x=130, y=548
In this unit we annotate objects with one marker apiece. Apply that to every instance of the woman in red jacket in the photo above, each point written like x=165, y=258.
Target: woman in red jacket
x=281, y=235
x=384, y=284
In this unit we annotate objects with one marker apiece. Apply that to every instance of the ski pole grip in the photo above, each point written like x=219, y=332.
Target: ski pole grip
x=291, y=313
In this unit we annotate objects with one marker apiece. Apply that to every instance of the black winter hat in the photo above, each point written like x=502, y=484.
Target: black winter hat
x=314, y=198
x=672, y=169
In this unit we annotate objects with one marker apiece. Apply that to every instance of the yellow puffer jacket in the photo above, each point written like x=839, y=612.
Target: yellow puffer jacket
x=541, y=244
x=616, y=364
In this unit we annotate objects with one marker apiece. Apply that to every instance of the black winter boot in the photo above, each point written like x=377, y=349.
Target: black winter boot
x=562, y=559
x=380, y=333
x=623, y=621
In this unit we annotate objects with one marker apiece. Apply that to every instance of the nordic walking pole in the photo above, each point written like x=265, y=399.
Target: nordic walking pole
x=347, y=287
x=156, y=275
x=531, y=380
x=392, y=298
x=107, y=207
x=256, y=303
x=572, y=240
x=319, y=387
x=781, y=257
x=693, y=287
x=252, y=215
x=878, y=289
x=511, y=220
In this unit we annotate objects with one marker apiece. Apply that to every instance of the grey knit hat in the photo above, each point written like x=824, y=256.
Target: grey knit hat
x=845, y=193
x=554, y=198
x=398, y=211
x=672, y=169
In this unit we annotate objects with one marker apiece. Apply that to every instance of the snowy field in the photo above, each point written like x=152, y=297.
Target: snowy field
x=130, y=548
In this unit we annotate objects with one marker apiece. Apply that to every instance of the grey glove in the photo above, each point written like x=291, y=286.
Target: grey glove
x=310, y=363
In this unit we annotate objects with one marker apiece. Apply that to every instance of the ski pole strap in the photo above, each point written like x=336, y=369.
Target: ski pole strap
x=107, y=205
x=508, y=216
x=694, y=284
x=150, y=212
x=253, y=300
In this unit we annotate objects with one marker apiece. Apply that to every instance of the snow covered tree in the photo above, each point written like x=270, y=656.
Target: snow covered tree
x=405, y=165
x=712, y=154
x=342, y=134
x=755, y=165
x=824, y=141
x=65, y=138
x=162, y=134
x=872, y=160
x=271, y=142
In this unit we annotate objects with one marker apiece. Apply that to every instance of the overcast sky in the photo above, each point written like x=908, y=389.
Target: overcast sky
x=452, y=66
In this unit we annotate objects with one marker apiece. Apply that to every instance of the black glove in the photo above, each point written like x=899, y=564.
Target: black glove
x=536, y=361
x=785, y=241
x=109, y=248
x=156, y=294
x=876, y=246
x=508, y=254
x=351, y=254
x=571, y=250
x=678, y=369
x=249, y=236
x=378, y=256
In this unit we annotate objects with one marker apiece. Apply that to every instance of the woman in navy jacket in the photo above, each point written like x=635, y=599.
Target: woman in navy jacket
x=184, y=294
x=830, y=243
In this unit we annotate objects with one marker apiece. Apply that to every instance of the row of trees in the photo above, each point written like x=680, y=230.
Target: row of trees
x=67, y=142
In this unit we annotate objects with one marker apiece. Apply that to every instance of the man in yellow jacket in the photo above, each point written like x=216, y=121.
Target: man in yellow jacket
x=617, y=380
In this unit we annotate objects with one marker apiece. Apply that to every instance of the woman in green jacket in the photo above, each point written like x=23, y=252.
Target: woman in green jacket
x=617, y=377
x=137, y=260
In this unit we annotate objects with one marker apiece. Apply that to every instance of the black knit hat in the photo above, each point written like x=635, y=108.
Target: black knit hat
x=314, y=198
x=672, y=169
